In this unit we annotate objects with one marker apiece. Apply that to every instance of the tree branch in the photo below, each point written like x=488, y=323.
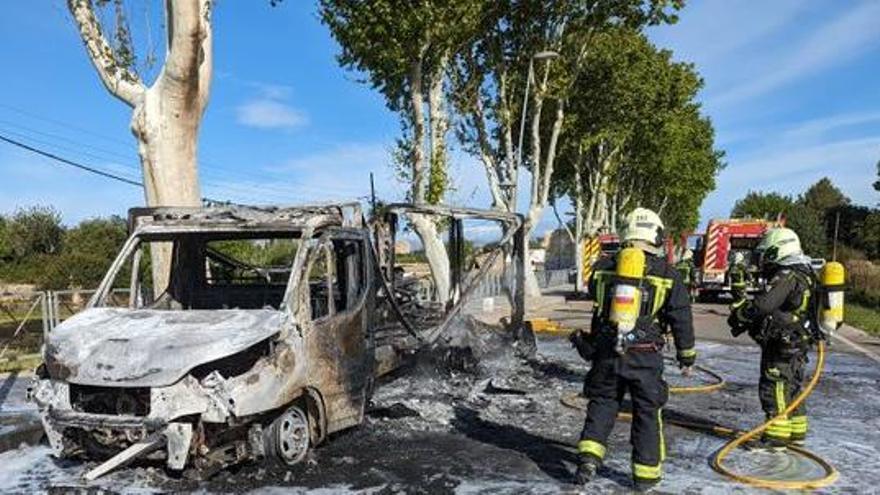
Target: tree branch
x=118, y=80
x=563, y=224
x=206, y=68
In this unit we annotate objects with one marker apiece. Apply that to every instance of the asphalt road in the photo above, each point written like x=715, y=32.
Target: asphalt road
x=501, y=428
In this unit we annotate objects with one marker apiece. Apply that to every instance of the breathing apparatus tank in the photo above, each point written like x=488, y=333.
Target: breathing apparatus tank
x=626, y=301
x=832, y=280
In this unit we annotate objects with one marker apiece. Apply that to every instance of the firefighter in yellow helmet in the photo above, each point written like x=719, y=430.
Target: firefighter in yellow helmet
x=780, y=321
x=629, y=360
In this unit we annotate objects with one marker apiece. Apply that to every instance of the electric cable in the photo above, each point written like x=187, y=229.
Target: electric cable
x=70, y=162
x=739, y=437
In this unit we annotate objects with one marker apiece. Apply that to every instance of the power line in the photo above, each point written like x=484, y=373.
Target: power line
x=69, y=162
x=212, y=171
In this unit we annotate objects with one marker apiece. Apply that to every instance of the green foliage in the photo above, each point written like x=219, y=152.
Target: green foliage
x=877, y=182
x=33, y=231
x=870, y=235
x=817, y=215
x=51, y=257
x=757, y=204
x=632, y=98
x=864, y=316
x=809, y=227
x=278, y=253
x=823, y=196
x=89, y=249
x=5, y=245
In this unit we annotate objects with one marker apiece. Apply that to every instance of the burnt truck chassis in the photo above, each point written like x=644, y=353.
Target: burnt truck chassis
x=272, y=398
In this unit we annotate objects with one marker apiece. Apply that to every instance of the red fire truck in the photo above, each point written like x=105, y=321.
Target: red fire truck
x=715, y=251
x=598, y=246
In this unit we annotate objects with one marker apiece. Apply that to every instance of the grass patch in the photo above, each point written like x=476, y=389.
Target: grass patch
x=24, y=362
x=863, y=317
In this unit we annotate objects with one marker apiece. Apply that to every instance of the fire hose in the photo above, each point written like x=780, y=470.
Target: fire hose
x=739, y=437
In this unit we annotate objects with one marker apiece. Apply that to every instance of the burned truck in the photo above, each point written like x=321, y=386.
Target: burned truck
x=265, y=336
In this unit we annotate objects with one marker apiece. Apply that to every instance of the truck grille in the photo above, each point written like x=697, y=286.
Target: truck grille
x=134, y=401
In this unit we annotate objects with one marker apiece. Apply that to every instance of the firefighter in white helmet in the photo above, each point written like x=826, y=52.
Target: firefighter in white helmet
x=738, y=275
x=781, y=321
x=626, y=350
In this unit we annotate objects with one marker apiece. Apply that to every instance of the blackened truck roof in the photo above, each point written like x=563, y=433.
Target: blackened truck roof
x=239, y=218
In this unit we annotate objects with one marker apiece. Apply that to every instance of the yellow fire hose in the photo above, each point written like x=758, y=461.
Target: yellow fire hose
x=831, y=474
x=573, y=400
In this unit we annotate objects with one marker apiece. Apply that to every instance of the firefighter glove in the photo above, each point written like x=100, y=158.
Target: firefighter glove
x=583, y=342
x=737, y=321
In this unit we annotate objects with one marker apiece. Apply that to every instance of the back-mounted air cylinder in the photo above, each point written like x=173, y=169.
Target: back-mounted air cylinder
x=626, y=301
x=833, y=281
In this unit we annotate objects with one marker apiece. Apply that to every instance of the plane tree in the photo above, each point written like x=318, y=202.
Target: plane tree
x=166, y=110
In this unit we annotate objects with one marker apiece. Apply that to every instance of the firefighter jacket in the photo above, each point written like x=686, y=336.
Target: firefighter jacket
x=738, y=276
x=782, y=314
x=666, y=304
x=686, y=269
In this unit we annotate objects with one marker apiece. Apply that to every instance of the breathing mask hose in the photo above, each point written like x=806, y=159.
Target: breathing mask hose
x=831, y=473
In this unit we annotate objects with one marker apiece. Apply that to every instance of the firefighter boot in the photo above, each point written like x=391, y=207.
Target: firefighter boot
x=587, y=470
x=641, y=485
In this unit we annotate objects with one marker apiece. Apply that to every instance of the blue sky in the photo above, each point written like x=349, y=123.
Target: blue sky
x=791, y=88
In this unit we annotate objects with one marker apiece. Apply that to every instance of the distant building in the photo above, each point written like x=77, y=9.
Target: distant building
x=560, y=251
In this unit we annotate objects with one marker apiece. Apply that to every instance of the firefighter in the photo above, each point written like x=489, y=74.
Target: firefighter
x=738, y=275
x=686, y=268
x=633, y=365
x=780, y=321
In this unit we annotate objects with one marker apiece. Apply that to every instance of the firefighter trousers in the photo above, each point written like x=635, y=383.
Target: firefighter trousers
x=641, y=375
x=782, y=378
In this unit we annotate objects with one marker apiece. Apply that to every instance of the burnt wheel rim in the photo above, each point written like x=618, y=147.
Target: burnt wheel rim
x=292, y=433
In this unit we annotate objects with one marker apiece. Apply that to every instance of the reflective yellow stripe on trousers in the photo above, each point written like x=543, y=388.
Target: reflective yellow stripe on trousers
x=646, y=472
x=591, y=447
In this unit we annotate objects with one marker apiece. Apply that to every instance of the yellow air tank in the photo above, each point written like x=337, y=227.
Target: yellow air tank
x=626, y=302
x=833, y=281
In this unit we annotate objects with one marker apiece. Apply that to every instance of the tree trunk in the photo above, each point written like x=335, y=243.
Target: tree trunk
x=166, y=116
x=435, y=252
x=438, y=122
x=424, y=226
x=578, y=230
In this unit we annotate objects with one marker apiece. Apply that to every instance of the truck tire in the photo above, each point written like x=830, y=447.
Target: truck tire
x=287, y=438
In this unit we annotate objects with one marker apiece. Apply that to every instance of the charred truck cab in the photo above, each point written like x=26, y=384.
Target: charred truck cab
x=260, y=344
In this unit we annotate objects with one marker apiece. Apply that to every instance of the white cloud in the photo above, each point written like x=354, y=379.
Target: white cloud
x=709, y=32
x=268, y=113
x=363, y=156
x=844, y=38
x=816, y=128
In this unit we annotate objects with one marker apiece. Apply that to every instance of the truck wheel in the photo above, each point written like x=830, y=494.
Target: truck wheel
x=287, y=438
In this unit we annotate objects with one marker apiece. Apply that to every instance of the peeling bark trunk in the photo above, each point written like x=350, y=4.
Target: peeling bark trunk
x=435, y=252
x=418, y=135
x=166, y=116
x=438, y=122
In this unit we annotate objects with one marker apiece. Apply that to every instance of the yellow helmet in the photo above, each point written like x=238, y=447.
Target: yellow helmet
x=643, y=224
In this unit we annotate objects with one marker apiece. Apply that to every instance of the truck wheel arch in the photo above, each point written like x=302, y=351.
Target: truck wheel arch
x=317, y=411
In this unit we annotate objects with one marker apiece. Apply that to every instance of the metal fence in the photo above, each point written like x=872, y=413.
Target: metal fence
x=26, y=319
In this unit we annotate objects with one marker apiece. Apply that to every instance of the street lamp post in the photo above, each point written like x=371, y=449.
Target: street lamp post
x=544, y=55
